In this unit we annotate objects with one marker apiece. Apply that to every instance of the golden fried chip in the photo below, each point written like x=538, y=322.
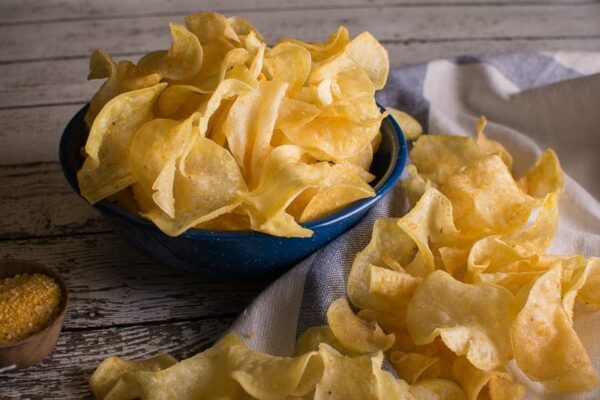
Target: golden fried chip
x=354, y=333
x=350, y=82
x=472, y=320
x=411, y=128
x=473, y=380
x=153, y=153
x=112, y=369
x=414, y=366
x=336, y=384
x=121, y=77
x=437, y=389
x=290, y=63
x=295, y=113
x=249, y=127
x=545, y=177
x=319, y=52
x=206, y=186
x=486, y=199
x=371, y=56
x=182, y=61
x=589, y=294
x=488, y=146
x=545, y=345
x=430, y=221
x=388, y=241
x=284, y=176
x=541, y=232
x=437, y=157
x=180, y=101
x=105, y=170
x=333, y=138
x=340, y=188
x=243, y=27
x=313, y=337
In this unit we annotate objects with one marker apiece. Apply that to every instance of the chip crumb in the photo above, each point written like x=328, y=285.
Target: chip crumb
x=28, y=303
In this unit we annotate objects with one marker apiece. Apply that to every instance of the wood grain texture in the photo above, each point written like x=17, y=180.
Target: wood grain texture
x=45, y=116
x=143, y=34
x=65, y=373
x=23, y=11
x=110, y=283
x=36, y=200
x=63, y=81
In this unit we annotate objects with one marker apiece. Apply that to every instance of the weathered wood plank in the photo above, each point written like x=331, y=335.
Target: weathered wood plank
x=140, y=34
x=65, y=373
x=63, y=81
x=19, y=11
x=36, y=200
x=110, y=283
x=31, y=134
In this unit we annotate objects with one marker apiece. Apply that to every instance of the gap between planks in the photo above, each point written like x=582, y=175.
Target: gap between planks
x=76, y=38
x=110, y=283
x=15, y=12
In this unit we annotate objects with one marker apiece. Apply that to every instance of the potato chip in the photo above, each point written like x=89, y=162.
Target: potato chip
x=474, y=381
x=182, y=61
x=390, y=388
x=437, y=389
x=545, y=345
x=388, y=241
x=111, y=370
x=411, y=128
x=414, y=366
x=371, y=56
x=319, y=52
x=472, y=320
x=437, y=157
x=429, y=221
x=290, y=63
x=207, y=185
x=121, y=77
x=243, y=27
x=486, y=199
x=541, y=232
x=313, y=337
x=340, y=188
x=589, y=294
x=180, y=101
x=354, y=333
x=153, y=153
x=249, y=127
x=105, y=170
x=284, y=176
x=350, y=82
x=346, y=378
x=488, y=146
x=332, y=138
x=545, y=177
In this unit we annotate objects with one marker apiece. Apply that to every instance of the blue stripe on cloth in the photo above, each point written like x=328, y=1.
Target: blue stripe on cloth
x=404, y=91
x=525, y=70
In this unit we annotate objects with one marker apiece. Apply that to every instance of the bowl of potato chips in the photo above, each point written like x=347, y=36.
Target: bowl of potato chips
x=226, y=156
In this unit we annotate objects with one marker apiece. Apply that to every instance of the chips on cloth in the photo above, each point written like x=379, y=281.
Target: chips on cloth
x=151, y=124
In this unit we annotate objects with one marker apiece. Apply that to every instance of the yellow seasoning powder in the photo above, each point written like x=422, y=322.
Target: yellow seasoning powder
x=28, y=303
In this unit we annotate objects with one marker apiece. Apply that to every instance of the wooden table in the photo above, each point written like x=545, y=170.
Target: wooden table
x=121, y=301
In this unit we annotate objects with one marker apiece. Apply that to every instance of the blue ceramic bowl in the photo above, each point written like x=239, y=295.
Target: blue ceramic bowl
x=235, y=254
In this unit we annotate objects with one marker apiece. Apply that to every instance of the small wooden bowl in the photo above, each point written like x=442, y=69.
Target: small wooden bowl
x=34, y=348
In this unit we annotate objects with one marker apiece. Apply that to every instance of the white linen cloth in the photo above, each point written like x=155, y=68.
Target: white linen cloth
x=532, y=101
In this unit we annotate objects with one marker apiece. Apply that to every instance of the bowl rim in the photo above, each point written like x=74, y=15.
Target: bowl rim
x=383, y=186
x=62, y=307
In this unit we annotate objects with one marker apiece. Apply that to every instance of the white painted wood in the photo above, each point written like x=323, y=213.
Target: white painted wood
x=19, y=11
x=112, y=284
x=80, y=38
x=63, y=81
x=65, y=373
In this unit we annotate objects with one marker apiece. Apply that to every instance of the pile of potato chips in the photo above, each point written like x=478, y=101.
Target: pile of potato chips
x=222, y=131
x=450, y=293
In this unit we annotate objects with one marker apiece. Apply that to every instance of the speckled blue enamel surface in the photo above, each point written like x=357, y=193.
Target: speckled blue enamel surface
x=237, y=254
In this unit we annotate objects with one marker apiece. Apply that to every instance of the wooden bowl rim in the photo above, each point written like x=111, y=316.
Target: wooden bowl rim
x=64, y=301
